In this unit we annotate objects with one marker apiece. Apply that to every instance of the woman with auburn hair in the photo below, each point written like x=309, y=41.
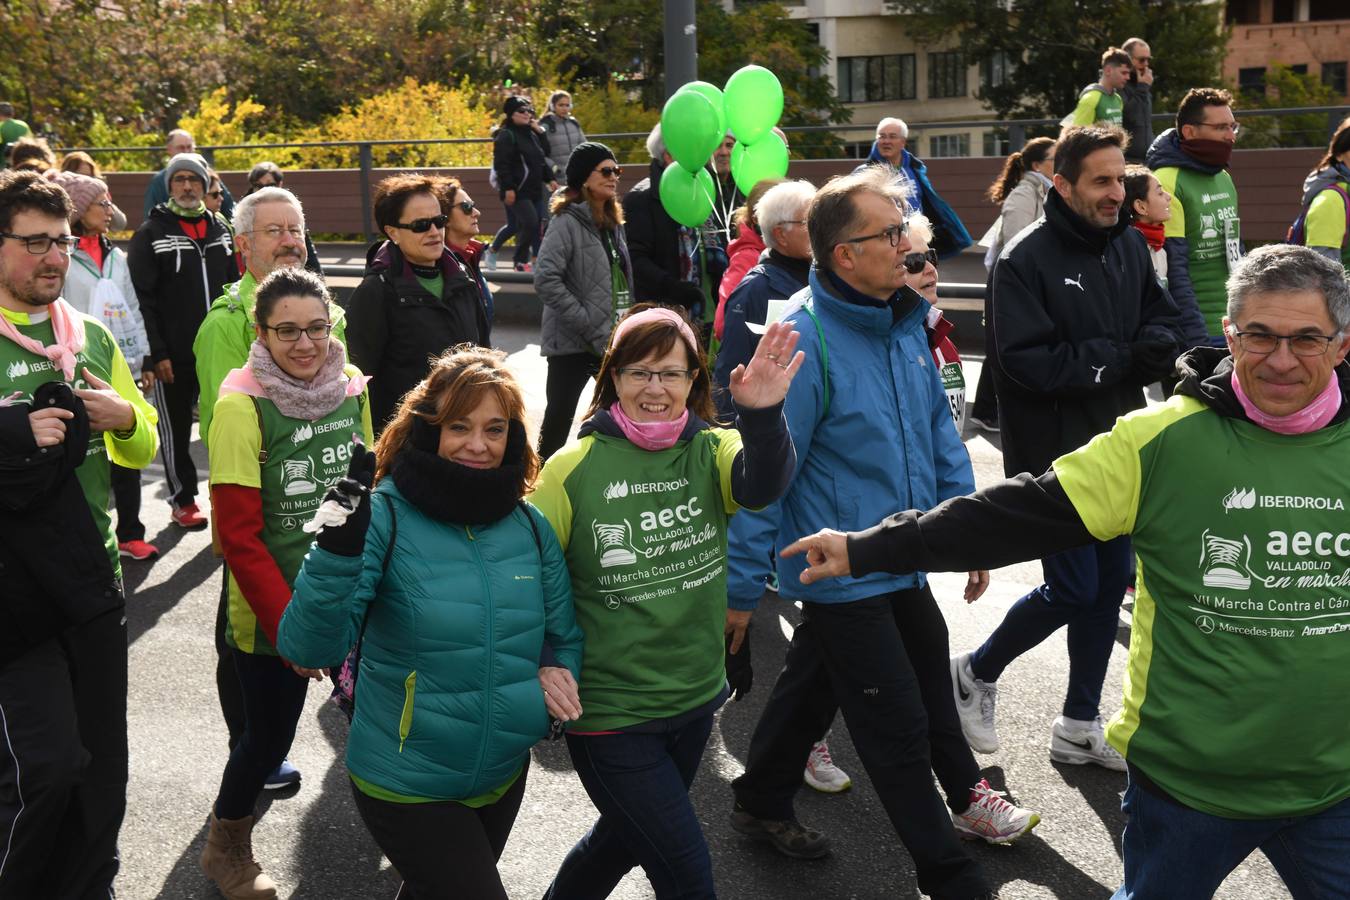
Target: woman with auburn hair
x=640, y=503
x=451, y=583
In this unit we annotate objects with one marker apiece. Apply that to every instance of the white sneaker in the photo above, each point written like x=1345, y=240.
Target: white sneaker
x=975, y=702
x=989, y=425
x=991, y=818
x=821, y=772
x=1079, y=743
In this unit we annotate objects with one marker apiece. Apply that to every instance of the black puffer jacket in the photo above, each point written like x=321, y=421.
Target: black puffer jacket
x=1067, y=301
x=394, y=327
x=54, y=569
x=520, y=159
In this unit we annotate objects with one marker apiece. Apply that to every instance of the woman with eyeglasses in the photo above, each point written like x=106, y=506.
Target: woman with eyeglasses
x=279, y=438
x=82, y=163
x=98, y=271
x=640, y=503
x=922, y=275
x=461, y=235
x=584, y=280
x=417, y=299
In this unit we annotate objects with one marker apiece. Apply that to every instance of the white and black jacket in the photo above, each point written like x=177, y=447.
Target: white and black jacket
x=177, y=277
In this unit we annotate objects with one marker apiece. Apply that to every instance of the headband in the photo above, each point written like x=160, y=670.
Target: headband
x=655, y=314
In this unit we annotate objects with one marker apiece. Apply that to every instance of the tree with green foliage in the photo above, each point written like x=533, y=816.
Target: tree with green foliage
x=1285, y=89
x=1055, y=46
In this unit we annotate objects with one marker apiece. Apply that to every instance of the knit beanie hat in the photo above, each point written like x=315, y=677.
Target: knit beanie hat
x=515, y=103
x=585, y=157
x=193, y=162
x=84, y=191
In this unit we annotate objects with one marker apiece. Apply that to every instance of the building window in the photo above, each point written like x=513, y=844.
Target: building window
x=863, y=79
x=949, y=145
x=1333, y=76
x=1252, y=81
x=1283, y=11
x=946, y=75
x=1242, y=12
x=1326, y=10
x=996, y=69
x=996, y=143
x=1299, y=68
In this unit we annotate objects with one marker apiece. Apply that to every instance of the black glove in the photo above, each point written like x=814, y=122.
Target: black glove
x=688, y=295
x=740, y=674
x=351, y=493
x=1152, y=360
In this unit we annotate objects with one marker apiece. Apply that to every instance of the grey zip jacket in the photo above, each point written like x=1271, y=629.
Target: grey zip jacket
x=573, y=280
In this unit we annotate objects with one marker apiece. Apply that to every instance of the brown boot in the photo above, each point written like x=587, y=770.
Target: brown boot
x=227, y=859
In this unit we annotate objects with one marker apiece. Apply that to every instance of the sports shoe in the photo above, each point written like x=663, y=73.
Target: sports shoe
x=822, y=774
x=975, y=702
x=138, y=550
x=991, y=818
x=189, y=517
x=283, y=776
x=524, y=267
x=788, y=836
x=489, y=260
x=1078, y=743
x=989, y=425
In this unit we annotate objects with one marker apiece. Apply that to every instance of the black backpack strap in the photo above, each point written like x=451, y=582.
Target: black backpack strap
x=262, y=449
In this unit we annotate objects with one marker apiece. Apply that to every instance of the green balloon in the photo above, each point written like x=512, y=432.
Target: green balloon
x=754, y=103
x=765, y=158
x=714, y=95
x=687, y=196
x=690, y=129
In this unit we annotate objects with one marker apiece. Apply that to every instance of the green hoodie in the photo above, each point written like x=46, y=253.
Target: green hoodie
x=224, y=337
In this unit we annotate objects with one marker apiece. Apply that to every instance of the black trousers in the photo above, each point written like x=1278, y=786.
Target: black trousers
x=444, y=849
x=567, y=377
x=174, y=404
x=883, y=662
x=227, y=682
x=126, y=488
x=274, y=696
x=63, y=763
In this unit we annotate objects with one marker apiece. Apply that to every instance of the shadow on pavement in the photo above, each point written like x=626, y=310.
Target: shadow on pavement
x=145, y=607
x=1101, y=789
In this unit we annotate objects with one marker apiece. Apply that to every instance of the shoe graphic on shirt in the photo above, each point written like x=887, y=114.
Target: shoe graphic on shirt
x=1225, y=561
x=298, y=477
x=614, y=544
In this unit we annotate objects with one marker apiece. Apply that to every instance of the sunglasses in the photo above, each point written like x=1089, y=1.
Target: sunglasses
x=210, y=194
x=914, y=262
x=610, y=171
x=422, y=226
x=467, y=207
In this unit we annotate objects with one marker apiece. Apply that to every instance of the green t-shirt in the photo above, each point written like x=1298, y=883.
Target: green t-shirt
x=1325, y=224
x=645, y=538
x=1237, y=676
x=25, y=372
x=1205, y=213
x=433, y=286
x=622, y=296
x=304, y=459
x=370, y=789
x=1096, y=105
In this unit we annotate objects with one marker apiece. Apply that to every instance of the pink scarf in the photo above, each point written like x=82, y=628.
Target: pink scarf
x=1310, y=418
x=69, y=331
x=649, y=435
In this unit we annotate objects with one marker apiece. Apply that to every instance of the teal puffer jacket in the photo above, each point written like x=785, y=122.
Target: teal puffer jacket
x=448, y=697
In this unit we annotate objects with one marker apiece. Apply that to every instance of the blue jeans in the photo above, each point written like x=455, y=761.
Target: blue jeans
x=639, y=781
x=1083, y=589
x=1173, y=852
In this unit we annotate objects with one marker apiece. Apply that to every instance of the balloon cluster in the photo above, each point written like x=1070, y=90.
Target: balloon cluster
x=694, y=123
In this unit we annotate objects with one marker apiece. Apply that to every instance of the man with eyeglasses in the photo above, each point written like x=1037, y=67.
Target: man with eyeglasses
x=181, y=258
x=70, y=408
x=1137, y=95
x=871, y=425
x=1203, y=239
x=1079, y=324
x=269, y=174
x=1234, y=493
x=911, y=176
x=180, y=141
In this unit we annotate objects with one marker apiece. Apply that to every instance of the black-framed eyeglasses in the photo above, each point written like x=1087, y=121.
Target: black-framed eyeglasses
x=643, y=377
x=275, y=232
x=466, y=206
x=210, y=194
x=289, y=334
x=38, y=244
x=915, y=262
x=610, y=171
x=106, y=204
x=891, y=234
x=1143, y=59
x=422, y=226
x=1263, y=342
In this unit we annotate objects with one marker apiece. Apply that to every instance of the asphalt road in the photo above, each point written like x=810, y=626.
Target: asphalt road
x=313, y=843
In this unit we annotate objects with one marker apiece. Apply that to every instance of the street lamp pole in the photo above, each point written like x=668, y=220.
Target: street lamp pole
x=681, y=45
